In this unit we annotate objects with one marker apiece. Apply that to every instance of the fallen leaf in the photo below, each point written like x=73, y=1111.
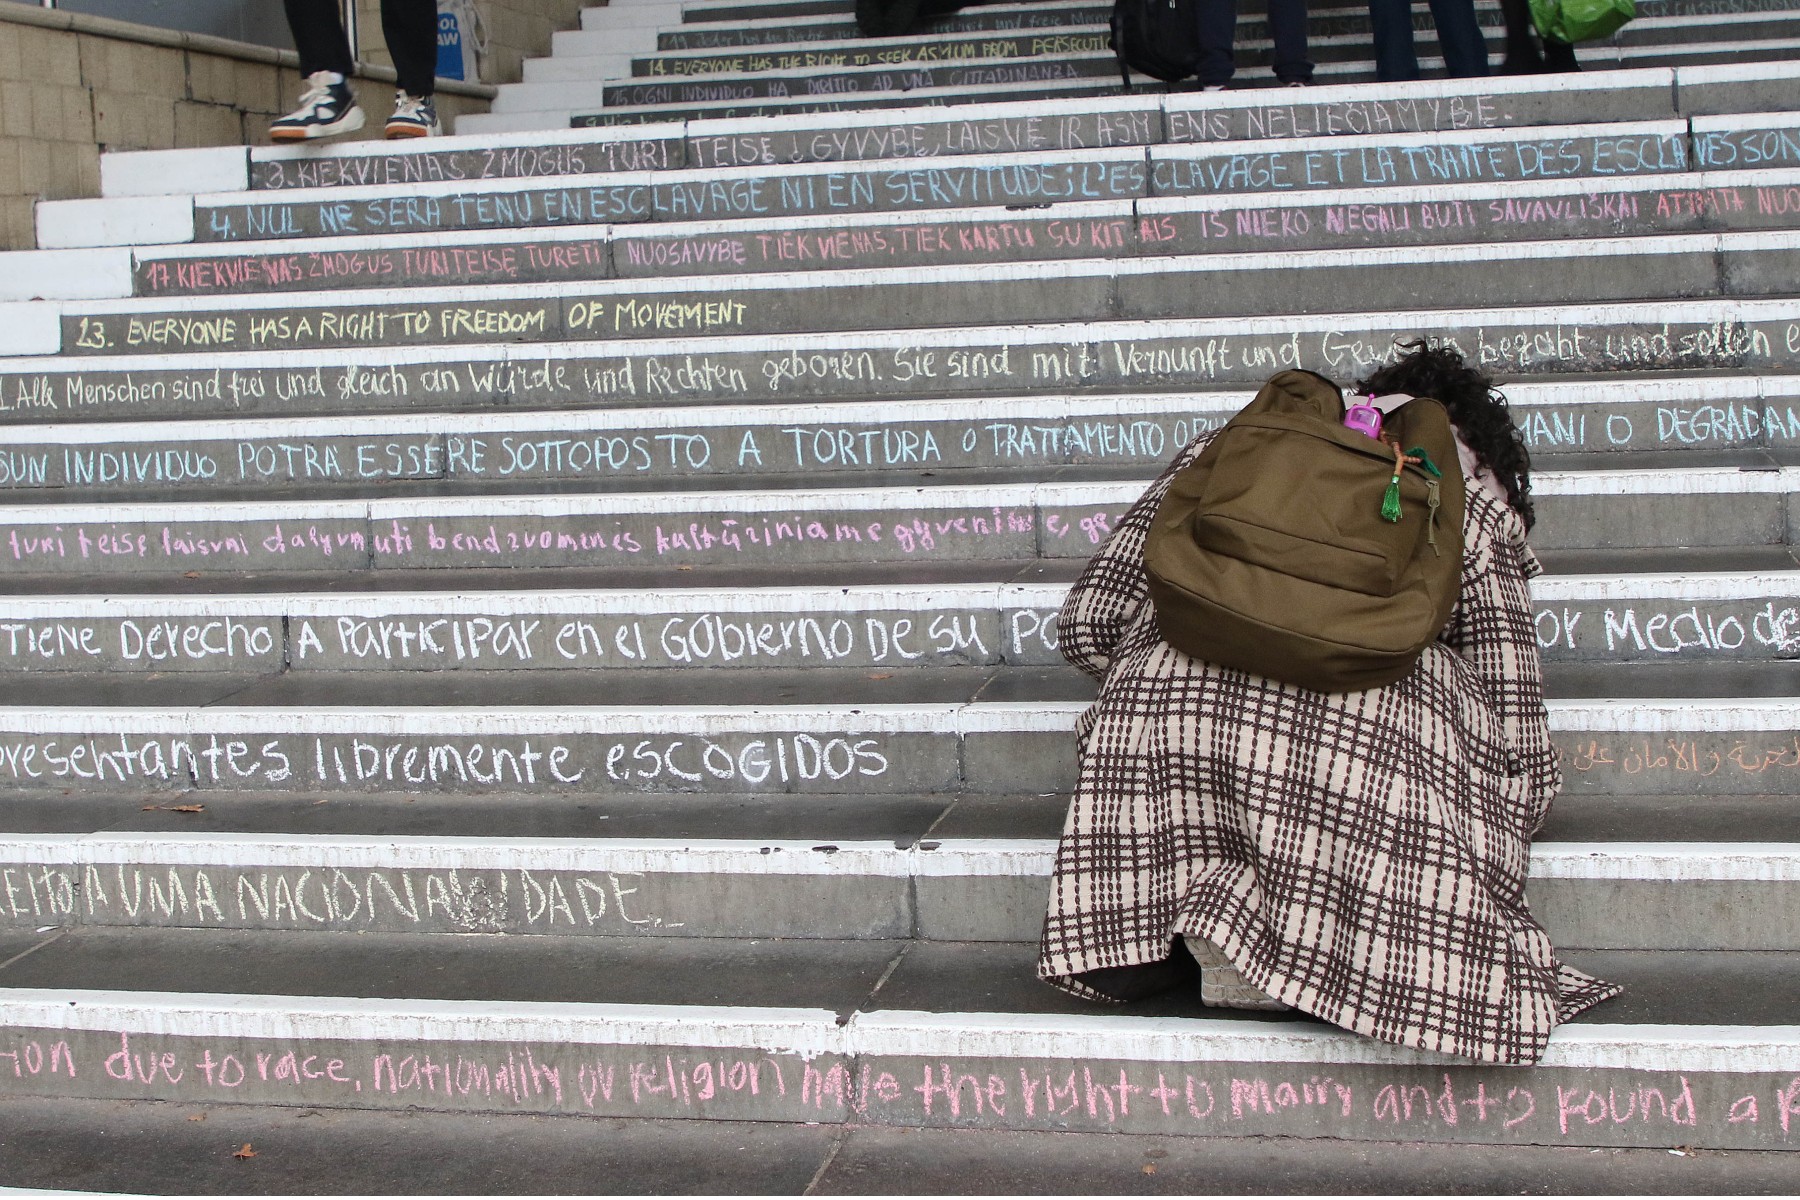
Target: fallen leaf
x=246, y=1152
x=881, y=675
x=190, y=575
x=187, y=808
x=684, y=568
x=1149, y=1168
x=198, y=1117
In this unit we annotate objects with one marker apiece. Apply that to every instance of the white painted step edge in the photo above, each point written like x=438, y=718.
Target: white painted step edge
x=1686, y=715
x=1695, y=1049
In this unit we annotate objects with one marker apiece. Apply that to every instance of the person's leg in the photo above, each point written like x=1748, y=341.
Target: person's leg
x=410, y=27
x=1459, y=34
x=326, y=107
x=318, y=31
x=1559, y=56
x=1218, y=34
x=1521, y=51
x=1390, y=26
x=1287, y=25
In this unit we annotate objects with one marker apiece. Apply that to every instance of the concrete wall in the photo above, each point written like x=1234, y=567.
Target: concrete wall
x=515, y=29
x=73, y=86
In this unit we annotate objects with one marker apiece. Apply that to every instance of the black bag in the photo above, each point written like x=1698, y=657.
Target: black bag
x=1159, y=38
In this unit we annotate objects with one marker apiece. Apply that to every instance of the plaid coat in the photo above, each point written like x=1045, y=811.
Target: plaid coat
x=1360, y=856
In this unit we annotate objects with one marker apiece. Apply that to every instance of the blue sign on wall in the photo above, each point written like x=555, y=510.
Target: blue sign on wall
x=450, y=46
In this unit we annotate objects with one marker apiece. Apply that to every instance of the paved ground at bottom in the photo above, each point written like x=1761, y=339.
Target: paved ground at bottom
x=150, y=1147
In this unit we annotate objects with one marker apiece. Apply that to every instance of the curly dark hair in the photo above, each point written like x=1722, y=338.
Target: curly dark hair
x=1479, y=412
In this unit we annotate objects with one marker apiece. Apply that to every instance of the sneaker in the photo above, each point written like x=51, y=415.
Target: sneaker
x=414, y=116
x=326, y=108
x=1213, y=87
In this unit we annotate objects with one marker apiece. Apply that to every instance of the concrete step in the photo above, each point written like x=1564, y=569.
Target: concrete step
x=1687, y=618
x=541, y=106
x=755, y=10
x=151, y=1148
x=1024, y=1058
x=478, y=743
x=815, y=818
x=765, y=31
x=770, y=31
x=1253, y=47
x=1021, y=293
x=1749, y=336
x=1602, y=508
x=1673, y=421
x=1646, y=148
x=1027, y=125
x=1624, y=895
x=1275, y=222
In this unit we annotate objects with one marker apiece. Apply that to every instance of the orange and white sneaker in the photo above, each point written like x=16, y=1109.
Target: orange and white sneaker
x=414, y=117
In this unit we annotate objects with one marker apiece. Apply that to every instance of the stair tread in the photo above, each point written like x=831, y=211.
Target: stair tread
x=751, y=686
x=1694, y=988
x=1771, y=820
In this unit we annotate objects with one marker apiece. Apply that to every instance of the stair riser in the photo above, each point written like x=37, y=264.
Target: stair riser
x=1020, y=294
x=1118, y=229
x=1258, y=1091
x=402, y=535
x=680, y=898
x=497, y=635
x=130, y=752
x=1745, y=336
x=198, y=463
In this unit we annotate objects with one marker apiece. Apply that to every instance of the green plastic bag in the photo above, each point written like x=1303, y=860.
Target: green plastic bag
x=1580, y=20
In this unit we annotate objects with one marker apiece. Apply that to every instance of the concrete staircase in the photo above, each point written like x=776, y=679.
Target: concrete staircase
x=563, y=622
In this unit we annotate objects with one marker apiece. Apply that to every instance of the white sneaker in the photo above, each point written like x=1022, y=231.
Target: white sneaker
x=326, y=108
x=414, y=117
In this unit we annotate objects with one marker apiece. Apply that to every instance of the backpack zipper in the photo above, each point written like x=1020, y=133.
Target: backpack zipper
x=1431, y=501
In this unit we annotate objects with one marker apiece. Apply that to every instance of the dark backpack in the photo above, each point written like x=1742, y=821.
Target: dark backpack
x=1286, y=550
x=1159, y=38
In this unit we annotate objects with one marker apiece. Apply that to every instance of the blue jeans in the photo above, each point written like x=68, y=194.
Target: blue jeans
x=1465, y=51
x=1287, y=25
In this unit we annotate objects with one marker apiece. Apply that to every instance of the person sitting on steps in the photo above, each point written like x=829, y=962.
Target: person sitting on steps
x=327, y=107
x=1359, y=856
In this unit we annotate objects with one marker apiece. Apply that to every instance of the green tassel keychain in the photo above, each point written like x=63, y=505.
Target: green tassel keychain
x=1390, y=499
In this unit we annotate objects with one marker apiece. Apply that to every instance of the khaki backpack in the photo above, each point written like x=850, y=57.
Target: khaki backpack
x=1272, y=552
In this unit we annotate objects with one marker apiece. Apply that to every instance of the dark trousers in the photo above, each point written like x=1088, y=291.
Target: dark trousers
x=1465, y=51
x=1218, y=31
x=410, y=27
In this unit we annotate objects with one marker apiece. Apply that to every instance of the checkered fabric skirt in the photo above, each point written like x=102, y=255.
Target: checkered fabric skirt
x=1360, y=856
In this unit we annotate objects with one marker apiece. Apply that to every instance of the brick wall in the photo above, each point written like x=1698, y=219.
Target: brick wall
x=72, y=86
